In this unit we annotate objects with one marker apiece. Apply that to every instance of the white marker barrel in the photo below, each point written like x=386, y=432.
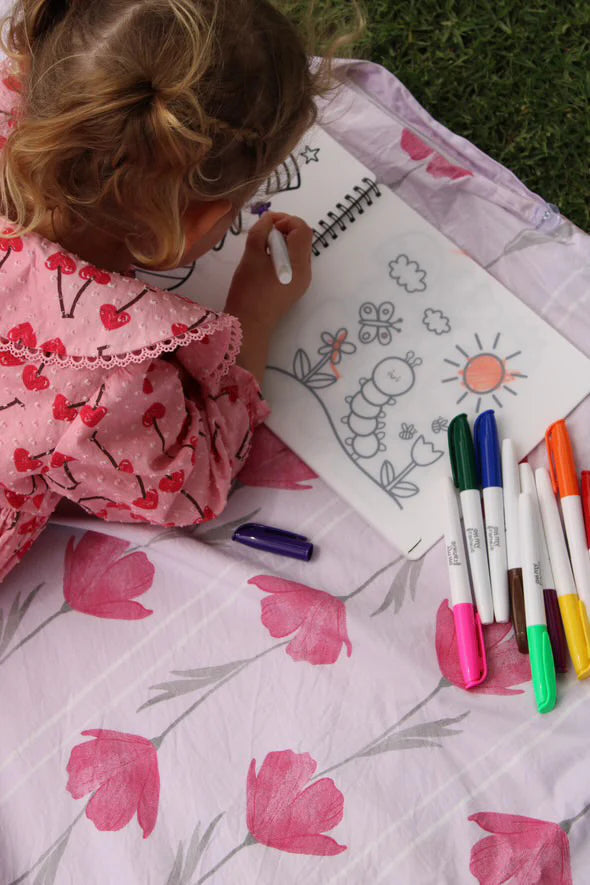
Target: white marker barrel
x=531, y=563
x=573, y=519
x=527, y=484
x=478, y=557
x=511, y=481
x=560, y=561
x=280, y=256
x=455, y=547
x=493, y=501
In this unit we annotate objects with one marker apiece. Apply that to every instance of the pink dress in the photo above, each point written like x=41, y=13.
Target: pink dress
x=119, y=396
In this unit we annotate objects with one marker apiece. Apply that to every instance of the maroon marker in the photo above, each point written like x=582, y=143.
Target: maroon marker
x=552, y=610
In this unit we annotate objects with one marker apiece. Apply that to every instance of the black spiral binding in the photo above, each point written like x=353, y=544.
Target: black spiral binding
x=345, y=214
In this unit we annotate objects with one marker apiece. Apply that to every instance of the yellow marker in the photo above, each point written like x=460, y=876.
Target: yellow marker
x=572, y=608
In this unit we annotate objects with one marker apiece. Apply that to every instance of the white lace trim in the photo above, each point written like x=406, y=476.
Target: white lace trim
x=219, y=323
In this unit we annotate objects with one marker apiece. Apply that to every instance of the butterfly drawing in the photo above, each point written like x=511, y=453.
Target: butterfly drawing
x=378, y=323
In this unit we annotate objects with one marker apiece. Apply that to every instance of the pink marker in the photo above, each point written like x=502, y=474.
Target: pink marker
x=468, y=628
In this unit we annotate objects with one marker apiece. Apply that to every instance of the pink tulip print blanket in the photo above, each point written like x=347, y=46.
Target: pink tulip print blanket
x=176, y=709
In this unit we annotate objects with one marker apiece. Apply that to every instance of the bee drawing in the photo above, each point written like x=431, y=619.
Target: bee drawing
x=378, y=323
x=391, y=378
x=408, y=431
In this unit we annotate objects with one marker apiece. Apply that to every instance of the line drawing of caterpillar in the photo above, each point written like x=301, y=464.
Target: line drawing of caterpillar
x=391, y=378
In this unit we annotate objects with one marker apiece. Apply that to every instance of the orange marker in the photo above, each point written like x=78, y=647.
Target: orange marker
x=565, y=483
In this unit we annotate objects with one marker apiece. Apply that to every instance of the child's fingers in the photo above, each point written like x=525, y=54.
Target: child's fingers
x=263, y=227
x=278, y=217
x=299, y=242
x=297, y=233
x=287, y=224
x=258, y=235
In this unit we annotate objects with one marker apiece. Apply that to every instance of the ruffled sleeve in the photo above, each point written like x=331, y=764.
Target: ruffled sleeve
x=156, y=444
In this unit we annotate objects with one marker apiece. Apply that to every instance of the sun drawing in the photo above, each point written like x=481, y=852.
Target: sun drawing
x=484, y=373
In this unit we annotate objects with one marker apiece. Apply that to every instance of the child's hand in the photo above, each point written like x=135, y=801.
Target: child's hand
x=256, y=296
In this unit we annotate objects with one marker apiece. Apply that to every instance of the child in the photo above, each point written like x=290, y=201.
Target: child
x=132, y=132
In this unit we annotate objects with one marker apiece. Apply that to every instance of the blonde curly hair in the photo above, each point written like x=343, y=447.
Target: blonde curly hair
x=134, y=109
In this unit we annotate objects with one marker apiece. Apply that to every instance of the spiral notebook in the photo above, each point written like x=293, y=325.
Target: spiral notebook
x=400, y=331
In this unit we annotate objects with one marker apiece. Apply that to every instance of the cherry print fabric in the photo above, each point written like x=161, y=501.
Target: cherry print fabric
x=96, y=408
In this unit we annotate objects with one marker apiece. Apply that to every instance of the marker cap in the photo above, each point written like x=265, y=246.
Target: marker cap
x=543, y=668
x=562, y=466
x=577, y=631
x=487, y=449
x=470, y=644
x=271, y=540
x=462, y=454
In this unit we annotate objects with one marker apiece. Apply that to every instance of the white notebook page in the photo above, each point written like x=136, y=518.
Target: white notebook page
x=399, y=332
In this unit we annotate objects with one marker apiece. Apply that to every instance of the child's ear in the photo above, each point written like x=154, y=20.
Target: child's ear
x=201, y=218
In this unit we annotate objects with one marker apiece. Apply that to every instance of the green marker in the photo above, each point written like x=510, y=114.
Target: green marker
x=541, y=654
x=466, y=478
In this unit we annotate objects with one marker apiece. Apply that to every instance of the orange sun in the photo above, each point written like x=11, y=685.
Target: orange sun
x=484, y=373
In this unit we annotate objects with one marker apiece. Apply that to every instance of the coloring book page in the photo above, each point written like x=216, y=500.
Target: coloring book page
x=399, y=332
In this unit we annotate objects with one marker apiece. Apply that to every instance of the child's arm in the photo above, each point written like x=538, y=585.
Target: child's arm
x=256, y=297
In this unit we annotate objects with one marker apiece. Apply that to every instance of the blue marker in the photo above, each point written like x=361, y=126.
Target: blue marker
x=489, y=463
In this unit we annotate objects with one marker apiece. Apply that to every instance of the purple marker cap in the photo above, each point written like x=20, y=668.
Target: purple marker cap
x=271, y=540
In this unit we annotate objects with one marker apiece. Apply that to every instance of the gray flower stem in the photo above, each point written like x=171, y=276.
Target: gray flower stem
x=443, y=683
x=316, y=368
x=370, y=580
x=394, y=185
x=566, y=825
x=157, y=741
x=249, y=840
x=402, y=475
x=62, y=611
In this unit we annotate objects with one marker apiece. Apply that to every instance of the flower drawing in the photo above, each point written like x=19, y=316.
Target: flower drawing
x=424, y=454
x=317, y=618
x=272, y=465
x=333, y=348
x=284, y=813
x=441, y=168
x=414, y=146
x=438, y=166
x=99, y=580
x=121, y=772
x=521, y=850
x=506, y=665
x=335, y=345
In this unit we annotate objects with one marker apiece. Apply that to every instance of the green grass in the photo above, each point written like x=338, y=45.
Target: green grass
x=512, y=76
